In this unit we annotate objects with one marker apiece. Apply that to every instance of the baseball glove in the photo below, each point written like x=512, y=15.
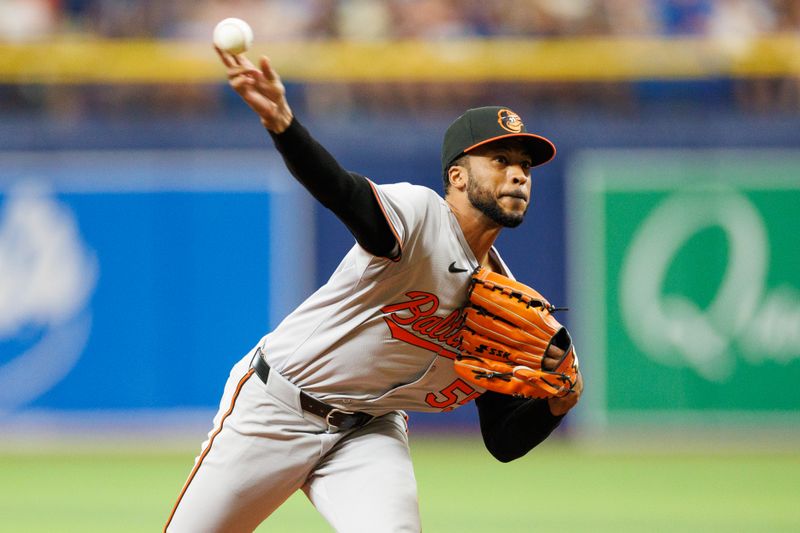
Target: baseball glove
x=504, y=343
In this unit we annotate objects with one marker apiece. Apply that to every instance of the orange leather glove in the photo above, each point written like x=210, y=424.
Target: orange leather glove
x=511, y=343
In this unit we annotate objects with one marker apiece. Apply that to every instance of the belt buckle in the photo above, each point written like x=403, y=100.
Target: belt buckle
x=333, y=428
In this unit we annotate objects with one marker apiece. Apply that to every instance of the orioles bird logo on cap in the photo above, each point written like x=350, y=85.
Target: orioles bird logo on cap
x=509, y=121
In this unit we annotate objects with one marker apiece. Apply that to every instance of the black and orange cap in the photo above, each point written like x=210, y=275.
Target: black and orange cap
x=483, y=125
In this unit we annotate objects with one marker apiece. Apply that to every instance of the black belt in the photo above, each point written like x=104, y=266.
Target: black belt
x=337, y=419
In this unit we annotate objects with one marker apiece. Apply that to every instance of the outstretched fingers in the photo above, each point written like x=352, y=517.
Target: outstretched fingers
x=240, y=83
x=235, y=72
x=234, y=60
x=226, y=58
x=267, y=70
x=242, y=60
x=260, y=87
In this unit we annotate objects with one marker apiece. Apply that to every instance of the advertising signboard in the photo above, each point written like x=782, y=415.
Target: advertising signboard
x=685, y=280
x=132, y=280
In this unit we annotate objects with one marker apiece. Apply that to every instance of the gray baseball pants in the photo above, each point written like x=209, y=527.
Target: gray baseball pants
x=264, y=447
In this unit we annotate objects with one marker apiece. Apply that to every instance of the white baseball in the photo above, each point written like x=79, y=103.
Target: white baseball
x=233, y=35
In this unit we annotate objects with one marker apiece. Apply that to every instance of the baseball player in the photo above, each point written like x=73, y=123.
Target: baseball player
x=318, y=404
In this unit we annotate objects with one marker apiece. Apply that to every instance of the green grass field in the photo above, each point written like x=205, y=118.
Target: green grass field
x=558, y=487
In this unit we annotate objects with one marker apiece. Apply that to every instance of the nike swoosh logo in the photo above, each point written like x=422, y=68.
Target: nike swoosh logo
x=454, y=269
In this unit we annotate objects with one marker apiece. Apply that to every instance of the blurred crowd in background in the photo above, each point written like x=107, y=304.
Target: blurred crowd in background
x=396, y=19
x=24, y=21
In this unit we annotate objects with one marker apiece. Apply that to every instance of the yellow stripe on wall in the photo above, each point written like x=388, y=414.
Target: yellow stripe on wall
x=585, y=59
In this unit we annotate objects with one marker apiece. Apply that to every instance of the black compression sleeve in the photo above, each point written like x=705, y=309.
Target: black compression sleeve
x=511, y=427
x=347, y=194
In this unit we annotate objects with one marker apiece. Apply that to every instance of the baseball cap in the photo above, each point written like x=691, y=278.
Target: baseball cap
x=483, y=125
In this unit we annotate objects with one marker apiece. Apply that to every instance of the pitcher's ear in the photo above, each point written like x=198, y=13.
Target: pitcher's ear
x=457, y=176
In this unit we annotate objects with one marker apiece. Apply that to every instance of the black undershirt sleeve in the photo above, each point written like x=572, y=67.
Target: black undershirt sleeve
x=347, y=194
x=511, y=427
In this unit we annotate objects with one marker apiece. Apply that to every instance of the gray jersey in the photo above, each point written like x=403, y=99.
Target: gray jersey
x=380, y=335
